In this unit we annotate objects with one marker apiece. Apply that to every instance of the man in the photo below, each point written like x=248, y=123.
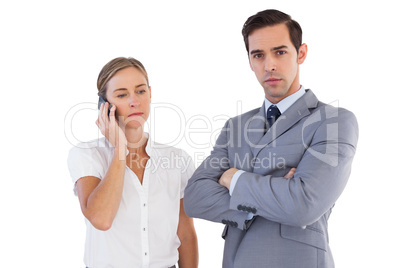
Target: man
x=276, y=171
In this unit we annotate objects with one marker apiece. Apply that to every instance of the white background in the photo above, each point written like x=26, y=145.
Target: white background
x=52, y=51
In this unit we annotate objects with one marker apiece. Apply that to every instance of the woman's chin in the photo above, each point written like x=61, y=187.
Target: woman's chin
x=133, y=122
x=134, y=125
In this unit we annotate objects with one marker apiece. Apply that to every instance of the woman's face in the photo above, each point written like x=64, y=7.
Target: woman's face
x=129, y=92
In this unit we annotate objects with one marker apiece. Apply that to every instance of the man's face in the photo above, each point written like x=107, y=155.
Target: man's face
x=275, y=61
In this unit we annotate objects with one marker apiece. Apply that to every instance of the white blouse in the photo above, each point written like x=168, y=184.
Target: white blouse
x=144, y=231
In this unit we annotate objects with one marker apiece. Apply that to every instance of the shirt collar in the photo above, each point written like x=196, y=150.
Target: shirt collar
x=284, y=104
x=148, y=148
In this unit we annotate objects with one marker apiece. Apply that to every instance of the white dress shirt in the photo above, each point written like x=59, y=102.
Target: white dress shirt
x=144, y=231
x=283, y=105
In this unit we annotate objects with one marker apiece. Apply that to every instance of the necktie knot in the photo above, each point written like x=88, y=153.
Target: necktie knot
x=272, y=115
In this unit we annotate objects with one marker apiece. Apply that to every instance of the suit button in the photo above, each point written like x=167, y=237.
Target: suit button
x=234, y=224
x=253, y=210
x=224, y=221
x=240, y=207
x=248, y=209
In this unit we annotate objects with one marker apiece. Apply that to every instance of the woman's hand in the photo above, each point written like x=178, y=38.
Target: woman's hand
x=109, y=127
x=100, y=199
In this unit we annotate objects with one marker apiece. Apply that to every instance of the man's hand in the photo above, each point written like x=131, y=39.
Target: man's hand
x=290, y=173
x=226, y=177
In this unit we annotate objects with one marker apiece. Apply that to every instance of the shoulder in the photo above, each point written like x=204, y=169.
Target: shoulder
x=334, y=113
x=245, y=115
x=338, y=122
x=160, y=149
x=171, y=157
x=90, y=158
x=240, y=119
x=97, y=148
x=326, y=110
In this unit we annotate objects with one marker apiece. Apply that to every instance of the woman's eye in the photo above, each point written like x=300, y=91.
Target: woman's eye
x=121, y=95
x=141, y=91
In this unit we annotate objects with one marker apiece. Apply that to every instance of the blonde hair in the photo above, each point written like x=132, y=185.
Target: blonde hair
x=112, y=67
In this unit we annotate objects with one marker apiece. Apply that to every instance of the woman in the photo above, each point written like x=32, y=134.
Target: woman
x=132, y=205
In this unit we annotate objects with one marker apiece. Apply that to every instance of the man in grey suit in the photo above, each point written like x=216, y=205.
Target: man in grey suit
x=276, y=171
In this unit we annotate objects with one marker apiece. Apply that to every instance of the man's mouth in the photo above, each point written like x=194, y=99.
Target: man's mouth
x=273, y=81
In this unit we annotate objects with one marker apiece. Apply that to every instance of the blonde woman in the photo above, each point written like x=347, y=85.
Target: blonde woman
x=133, y=207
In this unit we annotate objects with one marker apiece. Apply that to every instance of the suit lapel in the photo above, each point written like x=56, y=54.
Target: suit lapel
x=255, y=128
x=300, y=109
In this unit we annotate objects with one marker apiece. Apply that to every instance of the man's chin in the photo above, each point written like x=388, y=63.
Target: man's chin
x=275, y=94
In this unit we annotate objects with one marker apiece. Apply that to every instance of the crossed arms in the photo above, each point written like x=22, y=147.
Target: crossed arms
x=320, y=178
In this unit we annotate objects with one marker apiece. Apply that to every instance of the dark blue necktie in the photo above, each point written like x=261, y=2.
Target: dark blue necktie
x=272, y=115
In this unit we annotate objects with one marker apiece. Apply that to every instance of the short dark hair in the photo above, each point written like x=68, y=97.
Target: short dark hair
x=271, y=17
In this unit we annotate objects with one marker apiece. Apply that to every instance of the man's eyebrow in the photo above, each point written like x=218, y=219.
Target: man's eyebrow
x=278, y=48
x=255, y=51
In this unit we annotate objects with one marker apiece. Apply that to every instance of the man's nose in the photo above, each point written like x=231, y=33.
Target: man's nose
x=270, y=65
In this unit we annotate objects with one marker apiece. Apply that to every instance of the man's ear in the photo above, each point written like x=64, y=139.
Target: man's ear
x=302, y=54
x=150, y=92
x=251, y=66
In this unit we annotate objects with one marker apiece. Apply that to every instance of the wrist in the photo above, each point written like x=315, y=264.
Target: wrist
x=227, y=176
x=234, y=180
x=120, y=151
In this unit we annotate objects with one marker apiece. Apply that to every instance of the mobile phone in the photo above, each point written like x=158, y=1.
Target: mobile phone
x=102, y=100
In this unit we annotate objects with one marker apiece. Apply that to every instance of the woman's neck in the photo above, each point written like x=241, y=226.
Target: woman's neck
x=136, y=140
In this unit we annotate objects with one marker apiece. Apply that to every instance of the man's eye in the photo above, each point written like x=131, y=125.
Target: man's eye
x=258, y=56
x=141, y=91
x=281, y=52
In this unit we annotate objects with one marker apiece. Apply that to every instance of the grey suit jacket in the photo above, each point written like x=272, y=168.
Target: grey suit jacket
x=289, y=228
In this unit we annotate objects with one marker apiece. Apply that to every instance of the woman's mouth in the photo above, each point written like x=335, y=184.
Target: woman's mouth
x=135, y=114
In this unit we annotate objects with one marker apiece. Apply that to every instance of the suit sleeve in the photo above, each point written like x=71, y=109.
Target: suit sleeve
x=319, y=180
x=204, y=197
